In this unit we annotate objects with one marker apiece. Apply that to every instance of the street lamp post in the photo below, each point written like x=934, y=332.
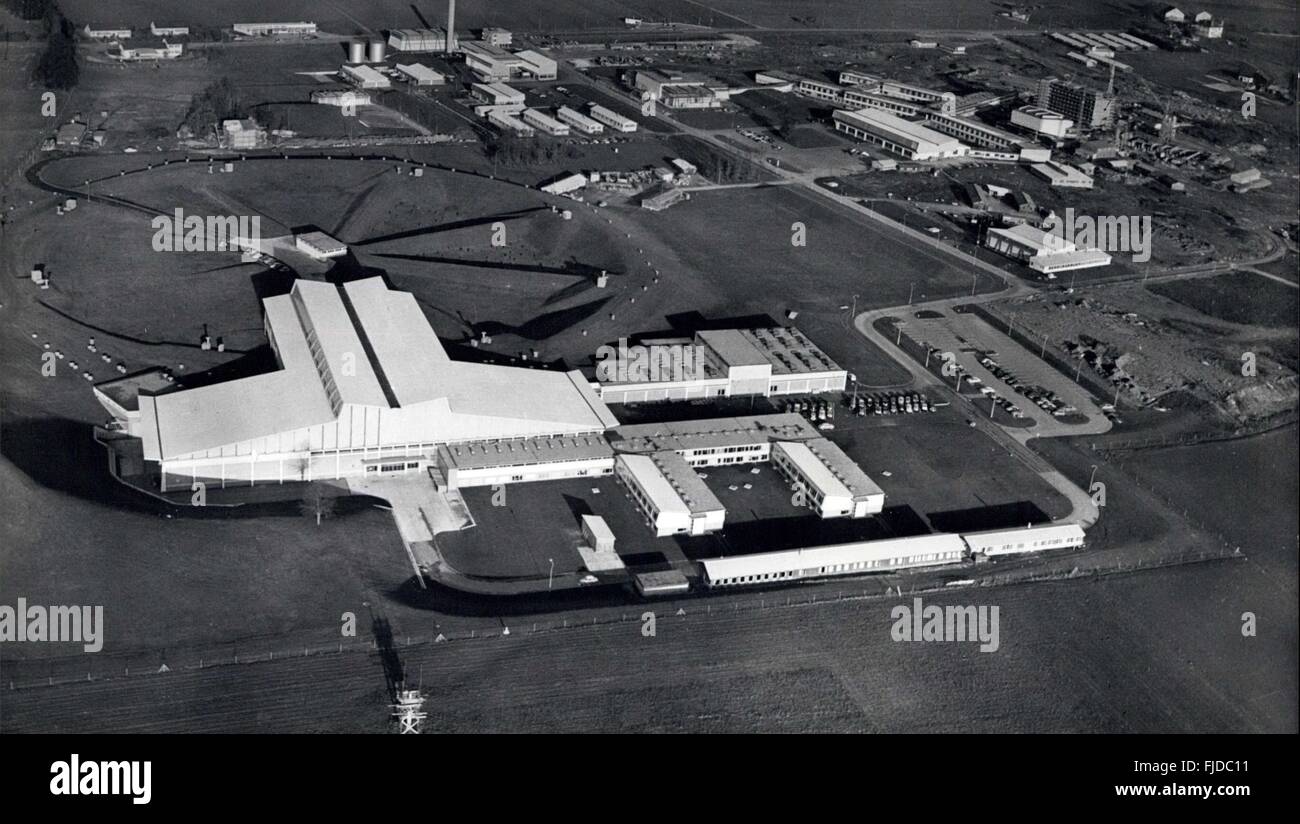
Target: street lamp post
x=550, y=576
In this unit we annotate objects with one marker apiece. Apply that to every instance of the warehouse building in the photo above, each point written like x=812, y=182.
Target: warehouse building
x=268, y=29
x=579, y=121
x=363, y=387
x=96, y=33
x=497, y=94
x=169, y=31
x=764, y=361
x=365, y=77
x=1062, y=175
x=320, y=245
x=1043, y=251
x=832, y=485
x=490, y=63
x=834, y=559
x=902, y=137
x=994, y=542
x=669, y=494
x=545, y=123
x=417, y=40
x=343, y=98
x=677, y=91
x=612, y=119
x=420, y=74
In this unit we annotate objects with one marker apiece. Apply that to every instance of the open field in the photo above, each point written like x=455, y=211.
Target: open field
x=1240, y=297
x=829, y=667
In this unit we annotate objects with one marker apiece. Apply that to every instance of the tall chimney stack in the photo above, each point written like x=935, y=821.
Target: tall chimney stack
x=451, y=26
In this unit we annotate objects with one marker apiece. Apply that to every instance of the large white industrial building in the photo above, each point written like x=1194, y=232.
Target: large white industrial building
x=364, y=386
x=1043, y=251
x=269, y=29
x=775, y=361
x=489, y=62
x=902, y=137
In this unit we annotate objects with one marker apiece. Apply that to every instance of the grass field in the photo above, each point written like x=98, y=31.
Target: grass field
x=1241, y=297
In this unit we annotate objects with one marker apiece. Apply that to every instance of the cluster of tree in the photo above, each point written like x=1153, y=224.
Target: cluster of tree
x=218, y=101
x=29, y=9
x=712, y=163
x=57, y=67
x=509, y=150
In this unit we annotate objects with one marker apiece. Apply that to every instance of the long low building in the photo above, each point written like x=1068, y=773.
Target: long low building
x=994, y=542
x=363, y=386
x=543, y=121
x=579, y=121
x=670, y=495
x=612, y=119
x=521, y=460
x=268, y=29
x=725, y=363
x=835, y=559
x=831, y=484
x=714, y=441
x=894, y=134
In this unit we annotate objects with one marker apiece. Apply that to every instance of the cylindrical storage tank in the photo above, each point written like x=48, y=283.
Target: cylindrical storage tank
x=376, y=51
x=356, y=52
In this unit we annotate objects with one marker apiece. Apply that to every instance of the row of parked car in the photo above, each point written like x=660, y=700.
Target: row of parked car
x=889, y=403
x=817, y=410
x=1044, y=399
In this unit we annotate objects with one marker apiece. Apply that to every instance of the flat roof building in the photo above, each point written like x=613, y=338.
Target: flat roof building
x=670, y=495
x=902, y=137
x=995, y=542
x=1041, y=121
x=859, y=557
x=832, y=485
x=729, y=362
x=265, y=29
x=320, y=245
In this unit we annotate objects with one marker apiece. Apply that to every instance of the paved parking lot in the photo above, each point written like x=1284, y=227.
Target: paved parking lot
x=963, y=334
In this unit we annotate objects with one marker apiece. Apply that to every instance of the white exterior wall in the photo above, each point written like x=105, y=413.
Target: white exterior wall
x=491, y=476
